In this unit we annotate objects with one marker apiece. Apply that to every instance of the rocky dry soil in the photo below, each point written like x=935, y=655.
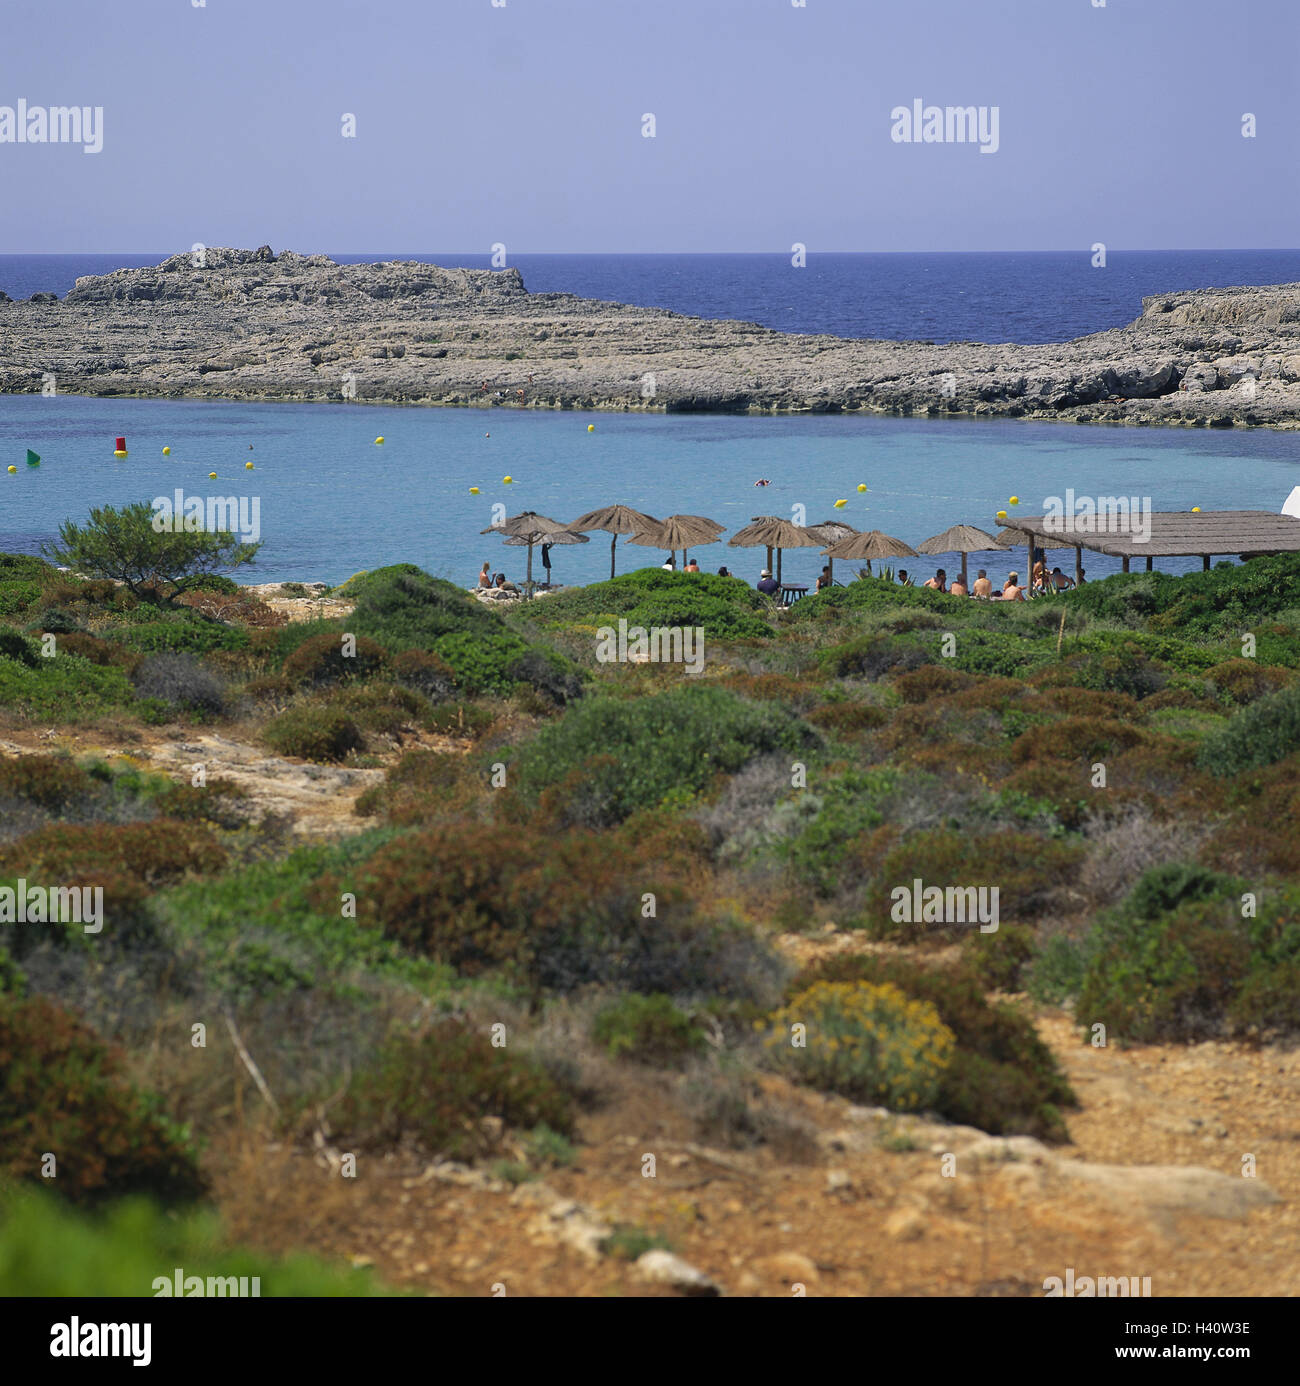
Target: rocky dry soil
x=1151, y=1186
x=255, y=325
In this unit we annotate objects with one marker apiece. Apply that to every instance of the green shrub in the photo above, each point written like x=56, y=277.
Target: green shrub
x=1055, y=973
x=425, y=673
x=726, y=608
x=52, y=782
x=17, y=595
x=648, y=1029
x=22, y=566
x=481, y=662
x=50, y=1251
x=433, y=1090
x=14, y=645
x=180, y=681
x=605, y=758
x=188, y=634
x=321, y=659
x=1264, y=732
x=864, y=1041
x=999, y=959
x=849, y=806
x=556, y=913
x=62, y=1093
x=313, y=732
x=1002, y=1077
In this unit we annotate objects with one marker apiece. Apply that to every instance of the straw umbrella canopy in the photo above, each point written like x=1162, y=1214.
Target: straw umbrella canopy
x=773, y=532
x=546, y=539
x=871, y=544
x=832, y=532
x=531, y=528
x=614, y=520
x=962, y=539
x=679, y=532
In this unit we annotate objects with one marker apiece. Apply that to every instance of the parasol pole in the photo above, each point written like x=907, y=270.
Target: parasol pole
x=612, y=543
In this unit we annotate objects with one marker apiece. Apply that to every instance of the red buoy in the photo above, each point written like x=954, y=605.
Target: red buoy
x=121, y=445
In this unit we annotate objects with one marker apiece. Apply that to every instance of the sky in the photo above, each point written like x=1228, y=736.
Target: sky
x=521, y=124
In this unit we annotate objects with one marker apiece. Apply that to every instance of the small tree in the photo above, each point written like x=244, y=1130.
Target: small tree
x=124, y=545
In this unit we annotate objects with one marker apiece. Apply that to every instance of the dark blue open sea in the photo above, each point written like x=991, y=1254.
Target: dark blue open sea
x=333, y=503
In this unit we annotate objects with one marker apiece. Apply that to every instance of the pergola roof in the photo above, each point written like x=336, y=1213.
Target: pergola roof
x=1174, y=534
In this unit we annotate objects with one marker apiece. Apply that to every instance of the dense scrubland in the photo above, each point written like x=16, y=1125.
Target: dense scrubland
x=601, y=858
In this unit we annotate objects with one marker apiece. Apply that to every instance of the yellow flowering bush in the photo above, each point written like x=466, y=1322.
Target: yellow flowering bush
x=867, y=1042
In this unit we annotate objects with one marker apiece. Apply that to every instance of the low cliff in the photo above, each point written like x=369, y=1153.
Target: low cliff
x=249, y=324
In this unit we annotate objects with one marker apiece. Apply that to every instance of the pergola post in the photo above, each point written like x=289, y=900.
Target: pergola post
x=1124, y=564
x=1148, y=563
x=1078, y=564
x=1205, y=563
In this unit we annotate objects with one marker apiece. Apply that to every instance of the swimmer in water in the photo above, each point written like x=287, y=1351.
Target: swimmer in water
x=763, y=481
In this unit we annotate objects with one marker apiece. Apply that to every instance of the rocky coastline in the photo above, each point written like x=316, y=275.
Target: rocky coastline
x=254, y=325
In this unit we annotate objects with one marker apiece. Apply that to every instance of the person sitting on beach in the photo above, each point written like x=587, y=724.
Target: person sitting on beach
x=692, y=566
x=903, y=579
x=724, y=571
x=1060, y=581
x=824, y=578
x=938, y=583
x=1081, y=579
x=1038, y=578
x=983, y=588
x=670, y=564
x=1012, y=590
x=503, y=586
x=485, y=577
x=767, y=584
x=958, y=588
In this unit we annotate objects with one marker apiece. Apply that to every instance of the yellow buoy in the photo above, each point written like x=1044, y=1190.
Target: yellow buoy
x=861, y=486
x=248, y=466
x=1015, y=500
x=118, y=452
x=167, y=452
x=473, y=490
x=839, y=504
x=13, y=469
x=507, y=479
x=1002, y=515
x=380, y=439
x=1195, y=509
x=591, y=428
x=212, y=476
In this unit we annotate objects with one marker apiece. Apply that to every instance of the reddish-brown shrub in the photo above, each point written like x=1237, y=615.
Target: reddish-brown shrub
x=1076, y=738
x=931, y=681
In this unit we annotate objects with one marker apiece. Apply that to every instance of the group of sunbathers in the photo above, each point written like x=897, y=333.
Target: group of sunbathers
x=1041, y=582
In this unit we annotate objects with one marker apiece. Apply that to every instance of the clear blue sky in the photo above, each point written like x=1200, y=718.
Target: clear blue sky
x=522, y=124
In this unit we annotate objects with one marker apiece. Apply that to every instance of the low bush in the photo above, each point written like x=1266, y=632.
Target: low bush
x=606, y=758
x=426, y=673
x=999, y=959
x=1265, y=731
x=1001, y=1078
x=648, y=1029
x=434, y=1091
x=50, y=1250
x=313, y=731
x=52, y=782
x=62, y=1093
x=332, y=657
x=865, y=1041
x=182, y=682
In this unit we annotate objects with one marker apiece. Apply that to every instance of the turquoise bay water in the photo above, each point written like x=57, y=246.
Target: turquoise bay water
x=333, y=503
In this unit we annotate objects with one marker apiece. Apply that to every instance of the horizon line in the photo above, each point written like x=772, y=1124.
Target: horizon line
x=486, y=254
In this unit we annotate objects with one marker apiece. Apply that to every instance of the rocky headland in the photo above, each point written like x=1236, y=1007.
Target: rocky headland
x=253, y=325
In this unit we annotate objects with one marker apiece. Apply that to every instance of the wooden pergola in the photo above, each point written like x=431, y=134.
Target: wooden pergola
x=1174, y=534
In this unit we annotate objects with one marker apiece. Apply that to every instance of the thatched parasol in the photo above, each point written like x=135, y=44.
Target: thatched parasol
x=530, y=528
x=546, y=539
x=679, y=532
x=775, y=533
x=831, y=532
x=615, y=520
x=872, y=544
x=962, y=539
